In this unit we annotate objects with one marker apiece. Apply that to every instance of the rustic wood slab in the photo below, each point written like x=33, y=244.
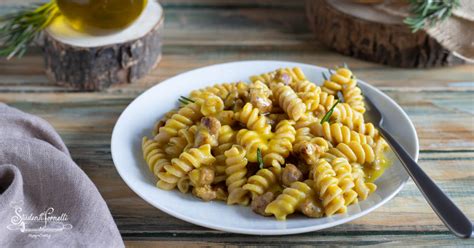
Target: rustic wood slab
x=197, y=33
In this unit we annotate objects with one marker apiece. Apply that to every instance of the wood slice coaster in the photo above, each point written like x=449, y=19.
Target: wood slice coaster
x=362, y=31
x=95, y=62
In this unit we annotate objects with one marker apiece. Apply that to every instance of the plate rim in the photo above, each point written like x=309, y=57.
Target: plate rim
x=266, y=232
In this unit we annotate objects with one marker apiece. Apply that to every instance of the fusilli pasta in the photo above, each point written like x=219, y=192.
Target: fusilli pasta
x=289, y=200
x=280, y=145
x=236, y=175
x=262, y=181
x=180, y=167
x=289, y=101
x=185, y=118
x=273, y=144
x=326, y=183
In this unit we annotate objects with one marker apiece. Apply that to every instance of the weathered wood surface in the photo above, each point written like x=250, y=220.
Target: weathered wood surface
x=362, y=31
x=197, y=33
x=96, y=68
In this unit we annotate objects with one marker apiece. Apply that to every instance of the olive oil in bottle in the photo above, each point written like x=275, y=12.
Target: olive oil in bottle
x=101, y=15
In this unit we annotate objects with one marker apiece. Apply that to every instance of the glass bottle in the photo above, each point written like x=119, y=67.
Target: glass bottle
x=101, y=15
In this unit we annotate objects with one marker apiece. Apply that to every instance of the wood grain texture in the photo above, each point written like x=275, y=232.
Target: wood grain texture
x=344, y=26
x=204, y=32
x=96, y=68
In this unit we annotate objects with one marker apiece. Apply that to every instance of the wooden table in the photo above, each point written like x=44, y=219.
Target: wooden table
x=440, y=102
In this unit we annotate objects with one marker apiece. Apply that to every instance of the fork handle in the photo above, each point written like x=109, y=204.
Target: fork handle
x=446, y=210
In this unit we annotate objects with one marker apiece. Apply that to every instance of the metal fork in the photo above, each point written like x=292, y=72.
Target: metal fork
x=446, y=210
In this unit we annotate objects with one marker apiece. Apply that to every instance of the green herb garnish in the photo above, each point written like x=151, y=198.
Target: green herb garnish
x=325, y=76
x=22, y=27
x=187, y=99
x=259, y=158
x=184, y=100
x=426, y=13
x=329, y=113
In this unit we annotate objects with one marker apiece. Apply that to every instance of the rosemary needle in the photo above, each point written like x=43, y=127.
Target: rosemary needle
x=22, y=27
x=329, y=113
x=259, y=158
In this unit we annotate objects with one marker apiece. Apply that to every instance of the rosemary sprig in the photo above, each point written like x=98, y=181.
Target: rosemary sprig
x=325, y=76
x=187, y=99
x=425, y=13
x=19, y=29
x=184, y=100
x=329, y=113
x=259, y=158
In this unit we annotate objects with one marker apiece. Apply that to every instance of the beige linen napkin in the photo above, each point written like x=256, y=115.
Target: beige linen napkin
x=46, y=200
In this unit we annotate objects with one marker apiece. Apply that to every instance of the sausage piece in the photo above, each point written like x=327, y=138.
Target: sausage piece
x=260, y=97
x=212, y=124
x=290, y=174
x=303, y=167
x=282, y=77
x=206, y=193
x=259, y=203
x=208, y=132
x=307, y=151
x=206, y=176
x=221, y=192
x=311, y=208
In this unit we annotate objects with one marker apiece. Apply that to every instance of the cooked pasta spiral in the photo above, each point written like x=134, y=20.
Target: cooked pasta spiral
x=251, y=117
x=309, y=93
x=236, y=175
x=336, y=81
x=326, y=101
x=176, y=146
x=162, y=122
x=289, y=101
x=210, y=104
x=344, y=113
x=293, y=74
x=220, y=90
x=194, y=158
x=362, y=188
x=182, y=142
x=331, y=87
x=225, y=117
x=251, y=141
x=296, y=74
x=289, y=200
x=366, y=128
x=262, y=181
x=346, y=182
x=184, y=184
x=185, y=118
x=280, y=145
x=353, y=152
x=353, y=96
x=338, y=133
x=189, y=135
x=226, y=140
x=326, y=183
x=154, y=155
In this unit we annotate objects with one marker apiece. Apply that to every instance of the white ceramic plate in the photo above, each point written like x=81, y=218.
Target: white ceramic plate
x=138, y=118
